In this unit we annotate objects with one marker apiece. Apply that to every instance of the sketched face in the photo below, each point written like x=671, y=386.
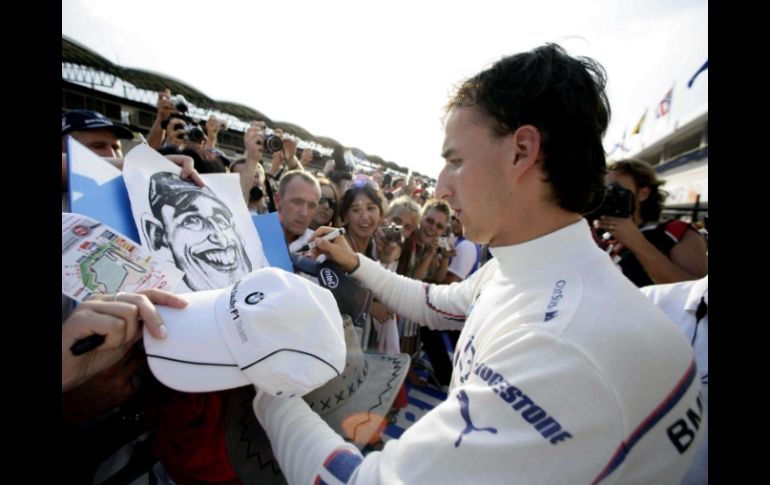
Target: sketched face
x=205, y=243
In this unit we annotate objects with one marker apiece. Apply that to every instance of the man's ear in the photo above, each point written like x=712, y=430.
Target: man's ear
x=277, y=200
x=642, y=194
x=526, y=141
x=153, y=232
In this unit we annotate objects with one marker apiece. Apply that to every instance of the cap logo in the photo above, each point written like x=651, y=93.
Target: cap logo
x=329, y=278
x=254, y=298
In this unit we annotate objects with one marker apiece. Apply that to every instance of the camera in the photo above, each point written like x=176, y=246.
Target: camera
x=393, y=233
x=255, y=193
x=272, y=142
x=179, y=103
x=443, y=243
x=618, y=202
x=191, y=132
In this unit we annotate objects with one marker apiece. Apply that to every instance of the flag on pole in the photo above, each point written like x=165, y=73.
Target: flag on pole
x=638, y=126
x=665, y=104
x=704, y=67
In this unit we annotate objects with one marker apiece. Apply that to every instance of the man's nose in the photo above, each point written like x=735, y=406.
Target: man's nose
x=443, y=190
x=216, y=238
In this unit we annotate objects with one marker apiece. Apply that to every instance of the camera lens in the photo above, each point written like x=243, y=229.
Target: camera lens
x=273, y=144
x=195, y=134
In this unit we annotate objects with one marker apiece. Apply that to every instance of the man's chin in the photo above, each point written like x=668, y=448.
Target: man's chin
x=215, y=278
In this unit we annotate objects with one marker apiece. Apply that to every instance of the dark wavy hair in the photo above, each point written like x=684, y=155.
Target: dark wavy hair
x=368, y=189
x=564, y=98
x=644, y=176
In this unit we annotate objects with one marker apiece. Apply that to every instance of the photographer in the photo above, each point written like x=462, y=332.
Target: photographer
x=649, y=252
x=213, y=126
x=251, y=171
x=165, y=107
x=184, y=136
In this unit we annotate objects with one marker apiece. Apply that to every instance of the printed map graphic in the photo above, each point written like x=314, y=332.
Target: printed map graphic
x=98, y=260
x=107, y=270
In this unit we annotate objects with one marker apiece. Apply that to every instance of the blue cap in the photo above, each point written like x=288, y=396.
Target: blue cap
x=83, y=119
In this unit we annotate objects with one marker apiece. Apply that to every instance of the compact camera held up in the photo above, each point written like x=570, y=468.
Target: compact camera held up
x=393, y=233
x=443, y=243
x=272, y=142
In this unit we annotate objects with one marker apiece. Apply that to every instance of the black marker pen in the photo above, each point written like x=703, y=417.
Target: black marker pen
x=326, y=237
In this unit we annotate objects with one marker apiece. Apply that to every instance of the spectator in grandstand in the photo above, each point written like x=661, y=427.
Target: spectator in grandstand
x=378, y=176
x=213, y=126
x=164, y=108
x=257, y=197
x=285, y=158
x=297, y=202
x=95, y=131
x=362, y=210
x=340, y=169
x=387, y=180
x=546, y=385
x=406, y=213
x=250, y=169
x=467, y=254
x=649, y=251
x=326, y=213
x=430, y=261
x=102, y=136
x=306, y=157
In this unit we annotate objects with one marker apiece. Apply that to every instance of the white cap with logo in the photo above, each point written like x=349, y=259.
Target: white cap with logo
x=273, y=329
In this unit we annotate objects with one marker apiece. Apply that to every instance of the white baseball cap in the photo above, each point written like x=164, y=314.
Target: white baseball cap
x=272, y=329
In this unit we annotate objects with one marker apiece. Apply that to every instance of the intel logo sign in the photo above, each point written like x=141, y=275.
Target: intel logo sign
x=328, y=278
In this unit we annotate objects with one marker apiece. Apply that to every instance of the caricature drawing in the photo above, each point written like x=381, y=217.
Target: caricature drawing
x=198, y=229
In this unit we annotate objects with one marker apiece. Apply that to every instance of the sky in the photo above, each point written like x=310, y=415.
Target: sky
x=376, y=75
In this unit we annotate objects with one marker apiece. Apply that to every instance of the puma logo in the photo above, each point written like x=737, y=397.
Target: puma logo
x=462, y=396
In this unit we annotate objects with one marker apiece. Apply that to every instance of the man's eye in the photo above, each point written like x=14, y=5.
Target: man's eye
x=222, y=222
x=194, y=223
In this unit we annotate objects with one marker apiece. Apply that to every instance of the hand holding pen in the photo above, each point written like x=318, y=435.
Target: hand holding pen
x=102, y=329
x=327, y=241
x=329, y=236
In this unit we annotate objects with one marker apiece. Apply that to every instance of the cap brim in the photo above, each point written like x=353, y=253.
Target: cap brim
x=193, y=357
x=120, y=131
x=249, y=449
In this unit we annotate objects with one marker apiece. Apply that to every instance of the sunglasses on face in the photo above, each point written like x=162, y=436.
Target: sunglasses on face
x=328, y=202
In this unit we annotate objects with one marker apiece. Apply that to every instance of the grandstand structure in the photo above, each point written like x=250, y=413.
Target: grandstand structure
x=129, y=96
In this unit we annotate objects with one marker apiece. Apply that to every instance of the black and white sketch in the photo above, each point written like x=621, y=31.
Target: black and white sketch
x=204, y=231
